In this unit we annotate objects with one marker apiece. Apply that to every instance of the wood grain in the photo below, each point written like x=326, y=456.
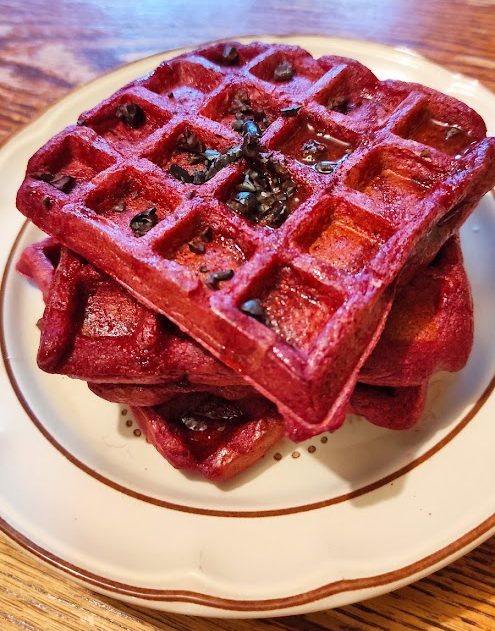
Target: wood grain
x=47, y=48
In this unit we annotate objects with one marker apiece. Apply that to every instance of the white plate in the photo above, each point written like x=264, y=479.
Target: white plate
x=368, y=511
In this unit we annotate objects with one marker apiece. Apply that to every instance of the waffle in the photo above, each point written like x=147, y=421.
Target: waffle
x=114, y=340
x=365, y=180
x=218, y=438
x=391, y=407
x=210, y=436
x=39, y=262
x=430, y=327
x=94, y=330
x=204, y=442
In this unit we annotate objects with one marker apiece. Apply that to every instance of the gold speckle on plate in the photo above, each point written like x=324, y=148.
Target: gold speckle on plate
x=295, y=454
x=124, y=412
x=277, y=456
x=128, y=423
x=324, y=439
x=311, y=449
x=137, y=432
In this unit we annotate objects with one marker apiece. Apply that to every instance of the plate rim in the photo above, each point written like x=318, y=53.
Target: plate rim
x=475, y=536
x=406, y=573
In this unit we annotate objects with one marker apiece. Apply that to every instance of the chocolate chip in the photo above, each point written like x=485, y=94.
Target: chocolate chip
x=217, y=409
x=64, y=183
x=203, y=269
x=230, y=55
x=199, y=177
x=240, y=103
x=171, y=95
x=194, y=424
x=243, y=202
x=326, y=166
x=180, y=174
x=197, y=158
x=142, y=223
x=238, y=125
x=224, y=159
x=290, y=111
x=211, y=155
x=207, y=234
x=284, y=71
x=197, y=247
x=341, y=104
x=250, y=146
x=47, y=202
x=119, y=207
x=130, y=114
x=215, y=278
x=250, y=128
x=43, y=176
x=254, y=308
x=263, y=194
x=189, y=141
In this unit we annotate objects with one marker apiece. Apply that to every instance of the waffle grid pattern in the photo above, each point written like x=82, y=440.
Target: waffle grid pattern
x=399, y=191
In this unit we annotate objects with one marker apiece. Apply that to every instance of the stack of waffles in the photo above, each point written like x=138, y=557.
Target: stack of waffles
x=250, y=243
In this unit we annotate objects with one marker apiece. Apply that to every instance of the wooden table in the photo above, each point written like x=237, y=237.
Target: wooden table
x=47, y=48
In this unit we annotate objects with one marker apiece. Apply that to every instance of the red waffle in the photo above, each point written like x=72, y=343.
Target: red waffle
x=390, y=407
x=95, y=330
x=430, y=328
x=218, y=439
x=219, y=449
x=409, y=164
x=208, y=435
x=38, y=262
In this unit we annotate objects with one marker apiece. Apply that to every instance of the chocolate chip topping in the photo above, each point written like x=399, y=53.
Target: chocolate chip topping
x=180, y=174
x=230, y=55
x=264, y=193
x=130, y=114
x=453, y=131
x=329, y=166
x=284, y=71
x=341, y=104
x=63, y=183
x=197, y=247
x=143, y=222
x=189, y=141
x=215, y=278
x=254, y=308
x=242, y=108
x=293, y=110
x=250, y=128
x=211, y=409
x=194, y=424
x=207, y=235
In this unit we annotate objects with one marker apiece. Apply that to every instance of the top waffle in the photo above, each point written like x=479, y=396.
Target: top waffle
x=269, y=204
